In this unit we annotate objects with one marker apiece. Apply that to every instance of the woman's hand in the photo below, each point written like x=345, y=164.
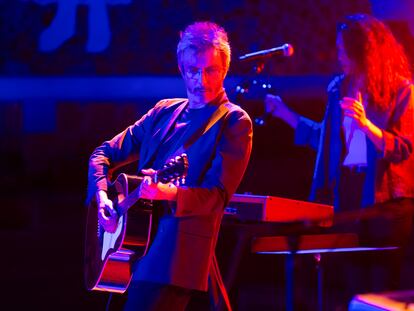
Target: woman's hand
x=354, y=109
x=275, y=105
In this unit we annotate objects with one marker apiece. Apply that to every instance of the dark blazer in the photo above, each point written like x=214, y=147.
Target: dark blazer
x=389, y=174
x=182, y=250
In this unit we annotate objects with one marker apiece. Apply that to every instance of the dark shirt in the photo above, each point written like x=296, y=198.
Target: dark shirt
x=187, y=123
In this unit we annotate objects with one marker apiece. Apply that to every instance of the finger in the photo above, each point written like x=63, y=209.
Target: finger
x=102, y=203
x=351, y=105
x=275, y=98
x=359, y=97
x=358, y=109
x=147, y=181
x=350, y=114
x=351, y=109
x=102, y=216
x=345, y=105
x=148, y=171
x=145, y=185
x=361, y=107
x=106, y=206
x=348, y=99
x=144, y=188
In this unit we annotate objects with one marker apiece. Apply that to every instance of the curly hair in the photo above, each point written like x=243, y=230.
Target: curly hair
x=203, y=35
x=379, y=58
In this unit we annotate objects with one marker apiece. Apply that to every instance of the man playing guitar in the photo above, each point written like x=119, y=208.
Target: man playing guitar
x=216, y=137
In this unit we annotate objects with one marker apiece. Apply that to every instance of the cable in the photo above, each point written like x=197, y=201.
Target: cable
x=108, y=302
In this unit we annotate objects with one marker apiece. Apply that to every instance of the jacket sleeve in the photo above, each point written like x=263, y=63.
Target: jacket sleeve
x=122, y=149
x=225, y=172
x=308, y=133
x=398, y=137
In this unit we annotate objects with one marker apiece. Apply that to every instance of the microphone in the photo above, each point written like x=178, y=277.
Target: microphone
x=283, y=50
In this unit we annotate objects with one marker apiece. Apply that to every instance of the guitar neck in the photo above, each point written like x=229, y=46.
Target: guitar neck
x=174, y=170
x=129, y=200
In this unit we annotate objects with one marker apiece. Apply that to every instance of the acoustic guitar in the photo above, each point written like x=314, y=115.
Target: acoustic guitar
x=109, y=257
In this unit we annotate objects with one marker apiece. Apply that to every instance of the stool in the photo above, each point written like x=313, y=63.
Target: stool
x=398, y=300
x=316, y=244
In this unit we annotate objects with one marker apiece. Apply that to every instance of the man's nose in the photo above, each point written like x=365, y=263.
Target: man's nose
x=202, y=76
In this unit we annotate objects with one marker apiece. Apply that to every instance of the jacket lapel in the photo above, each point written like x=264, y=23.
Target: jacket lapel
x=158, y=138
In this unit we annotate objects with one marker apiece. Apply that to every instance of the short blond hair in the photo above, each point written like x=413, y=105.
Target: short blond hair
x=203, y=35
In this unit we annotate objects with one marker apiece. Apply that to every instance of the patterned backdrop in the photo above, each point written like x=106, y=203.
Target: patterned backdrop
x=130, y=37
x=72, y=74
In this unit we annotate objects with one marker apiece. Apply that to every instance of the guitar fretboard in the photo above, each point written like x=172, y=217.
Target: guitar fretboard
x=129, y=200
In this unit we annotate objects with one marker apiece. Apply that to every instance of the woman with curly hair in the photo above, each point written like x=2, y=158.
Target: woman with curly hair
x=365, y=141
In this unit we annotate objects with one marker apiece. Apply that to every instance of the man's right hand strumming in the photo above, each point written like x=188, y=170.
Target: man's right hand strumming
x=278, y=109
x=108, y=217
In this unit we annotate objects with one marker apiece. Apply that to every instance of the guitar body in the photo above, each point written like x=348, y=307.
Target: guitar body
x=109, y=256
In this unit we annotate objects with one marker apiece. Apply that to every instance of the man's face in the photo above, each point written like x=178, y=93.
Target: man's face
x=203, y=73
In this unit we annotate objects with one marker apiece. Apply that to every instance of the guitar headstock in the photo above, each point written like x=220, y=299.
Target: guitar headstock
x=174, y=170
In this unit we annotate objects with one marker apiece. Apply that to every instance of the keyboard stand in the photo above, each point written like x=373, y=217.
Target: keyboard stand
x=316, y=244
